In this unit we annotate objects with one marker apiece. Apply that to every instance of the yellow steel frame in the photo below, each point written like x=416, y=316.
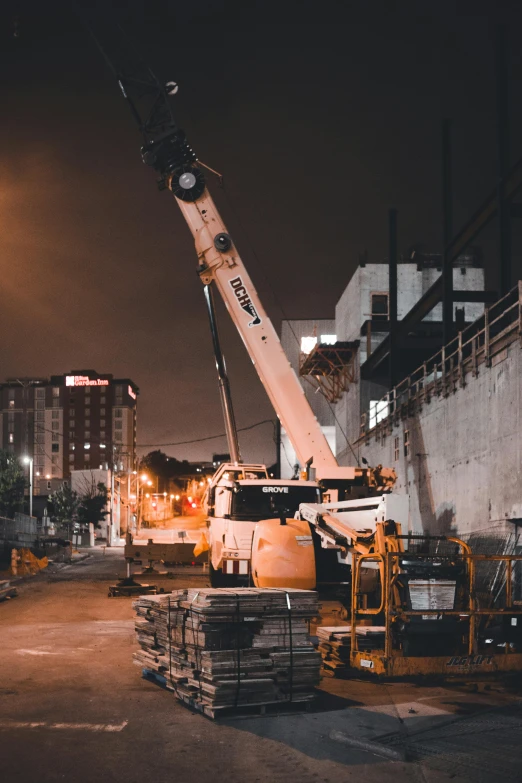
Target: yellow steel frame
x=391, y=661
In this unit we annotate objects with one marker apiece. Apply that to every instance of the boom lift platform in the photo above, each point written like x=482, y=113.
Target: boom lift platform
x=443, y=610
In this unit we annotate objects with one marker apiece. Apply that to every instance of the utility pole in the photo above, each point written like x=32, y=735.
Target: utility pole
x=503, y=204
x=392, y=315
x=447, y=234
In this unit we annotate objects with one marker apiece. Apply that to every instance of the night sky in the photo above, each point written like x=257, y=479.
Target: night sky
x=320, y=116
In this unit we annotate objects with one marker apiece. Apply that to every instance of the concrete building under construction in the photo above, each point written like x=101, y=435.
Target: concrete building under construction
x=451, y=425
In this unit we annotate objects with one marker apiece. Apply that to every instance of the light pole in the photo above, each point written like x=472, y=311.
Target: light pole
x=29, y=461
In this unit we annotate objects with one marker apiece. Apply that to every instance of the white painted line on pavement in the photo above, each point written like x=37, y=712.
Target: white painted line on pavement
x=37, y=652
x=13, y=724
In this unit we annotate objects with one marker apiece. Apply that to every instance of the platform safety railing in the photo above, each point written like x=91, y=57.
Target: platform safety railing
x=475, y=598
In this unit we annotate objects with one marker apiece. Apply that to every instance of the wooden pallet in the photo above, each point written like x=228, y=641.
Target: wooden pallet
x=298, y=704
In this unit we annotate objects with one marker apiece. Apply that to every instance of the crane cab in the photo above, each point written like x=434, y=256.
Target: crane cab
x=239, y=498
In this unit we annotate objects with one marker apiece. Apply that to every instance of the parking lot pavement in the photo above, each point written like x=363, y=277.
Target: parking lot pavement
x=73, y=707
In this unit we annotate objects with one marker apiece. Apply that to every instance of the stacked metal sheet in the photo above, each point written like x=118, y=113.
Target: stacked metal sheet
x=225, y=648
x=335, y=645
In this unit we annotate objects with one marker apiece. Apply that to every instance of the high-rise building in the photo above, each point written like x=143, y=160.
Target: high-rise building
x=78, y=421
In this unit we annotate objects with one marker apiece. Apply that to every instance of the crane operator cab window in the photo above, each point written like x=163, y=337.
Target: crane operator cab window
x=251, y=503
x=240, y=474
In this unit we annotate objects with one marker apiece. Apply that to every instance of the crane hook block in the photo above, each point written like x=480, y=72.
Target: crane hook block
x=222, y=242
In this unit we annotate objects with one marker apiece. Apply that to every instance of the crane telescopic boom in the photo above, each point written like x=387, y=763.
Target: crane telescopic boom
x=166, y=149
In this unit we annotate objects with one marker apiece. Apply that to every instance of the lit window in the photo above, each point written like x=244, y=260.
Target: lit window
x=11, y=403
x=102, y=445
x=87, y=457
x=71, y=458
x=56, y=391
x=86, y=446
x=11, y=437
x=308, y=344
x=102, y=411
x=378, y=411
x=71, y=422
x=87, y=423
x=396, y=449
x=328, y=339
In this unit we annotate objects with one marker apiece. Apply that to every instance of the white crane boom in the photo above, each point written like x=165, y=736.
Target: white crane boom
x=220, y=262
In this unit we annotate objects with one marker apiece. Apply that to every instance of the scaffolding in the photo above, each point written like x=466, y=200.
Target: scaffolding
x=330, y=368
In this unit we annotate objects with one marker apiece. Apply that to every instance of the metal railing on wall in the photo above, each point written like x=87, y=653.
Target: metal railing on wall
x=447, y=370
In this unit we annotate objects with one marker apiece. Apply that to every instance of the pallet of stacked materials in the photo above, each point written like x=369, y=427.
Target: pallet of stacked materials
x=335, y=645
x=223, y=649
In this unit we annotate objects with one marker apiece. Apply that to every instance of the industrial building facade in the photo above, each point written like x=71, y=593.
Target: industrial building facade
x=452, y=427
x=77, y=421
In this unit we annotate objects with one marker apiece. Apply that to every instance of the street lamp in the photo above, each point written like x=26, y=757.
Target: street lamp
x=29, y=461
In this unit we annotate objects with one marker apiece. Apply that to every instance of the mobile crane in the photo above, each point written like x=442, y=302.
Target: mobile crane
x=220, y=265
x=166, y=149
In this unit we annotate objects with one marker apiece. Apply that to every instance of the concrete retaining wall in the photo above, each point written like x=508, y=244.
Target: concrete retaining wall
x=463, y=466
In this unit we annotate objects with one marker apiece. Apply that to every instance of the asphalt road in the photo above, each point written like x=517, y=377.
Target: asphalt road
x=74, y=707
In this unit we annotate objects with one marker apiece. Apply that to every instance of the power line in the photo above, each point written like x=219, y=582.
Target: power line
x=201, y=440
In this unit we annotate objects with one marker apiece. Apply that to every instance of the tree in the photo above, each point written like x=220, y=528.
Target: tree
x=65, y=503
x=12, y=484
x=93, y=505
x=165, y=468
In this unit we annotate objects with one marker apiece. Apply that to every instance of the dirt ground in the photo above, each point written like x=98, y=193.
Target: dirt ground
x=74, y=707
